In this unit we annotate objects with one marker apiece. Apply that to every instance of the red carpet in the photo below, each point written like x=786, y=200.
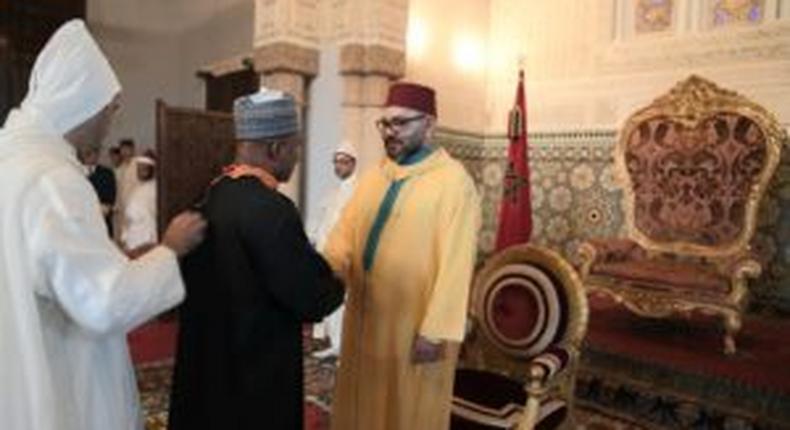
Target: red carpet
x=152, y=348
x=155, y=341
x=695, y=346
x=684, y=347
x=315, y=418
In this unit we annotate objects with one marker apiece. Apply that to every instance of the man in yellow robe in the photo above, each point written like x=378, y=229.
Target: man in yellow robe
x=405, y=244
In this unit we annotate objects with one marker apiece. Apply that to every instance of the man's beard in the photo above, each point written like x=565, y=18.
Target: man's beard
x=397, y=149
x=393, y=147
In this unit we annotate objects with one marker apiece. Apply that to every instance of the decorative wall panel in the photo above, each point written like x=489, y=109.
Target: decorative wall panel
x=728, y=12
x=653, y=15
x=374, y=22
x=288, y=21
x=286, y=58
x=363, y=60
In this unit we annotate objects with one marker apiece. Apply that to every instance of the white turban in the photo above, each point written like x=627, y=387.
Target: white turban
x=347, y=148
x=142, y=159
x=71, y=80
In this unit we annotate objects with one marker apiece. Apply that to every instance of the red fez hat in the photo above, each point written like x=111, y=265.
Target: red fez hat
x=413, y=96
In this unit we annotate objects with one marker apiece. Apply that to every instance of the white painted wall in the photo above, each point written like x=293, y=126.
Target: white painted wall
x=447, y=43
x=324, y=130
x=156, y=47
x=226, y=33
x=148, y=67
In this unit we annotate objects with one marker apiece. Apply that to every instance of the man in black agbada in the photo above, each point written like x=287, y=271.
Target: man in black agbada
x=250, y=286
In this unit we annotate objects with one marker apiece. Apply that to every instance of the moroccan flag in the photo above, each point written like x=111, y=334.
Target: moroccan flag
x=515, y=213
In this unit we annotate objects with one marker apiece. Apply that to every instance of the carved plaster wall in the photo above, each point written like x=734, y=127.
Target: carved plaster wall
x=287, y=21
x=587, y=67
x=290, y=36
x=371, y=38
x=286, y=42
x=369, y=22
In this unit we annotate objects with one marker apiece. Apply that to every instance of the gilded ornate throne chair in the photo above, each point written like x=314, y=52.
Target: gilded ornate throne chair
x=528, y=319
x=694, y=166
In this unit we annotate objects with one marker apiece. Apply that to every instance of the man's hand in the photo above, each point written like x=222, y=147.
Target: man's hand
x=184, y=233
x=140, y=250
x=426, y=351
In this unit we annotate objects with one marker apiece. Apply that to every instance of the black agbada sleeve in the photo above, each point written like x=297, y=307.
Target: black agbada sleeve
x=297, y=276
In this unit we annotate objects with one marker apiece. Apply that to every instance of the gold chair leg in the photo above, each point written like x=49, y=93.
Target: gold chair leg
x=732, y=325
x=530, y=416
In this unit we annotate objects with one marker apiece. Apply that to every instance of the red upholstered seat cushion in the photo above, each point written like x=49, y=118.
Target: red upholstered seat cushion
x=484, y=401
x=488, y=389
x=669, y=275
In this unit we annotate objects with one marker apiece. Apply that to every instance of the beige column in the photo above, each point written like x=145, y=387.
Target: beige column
x=367, y=74
x=286, y=57
x=371, y=35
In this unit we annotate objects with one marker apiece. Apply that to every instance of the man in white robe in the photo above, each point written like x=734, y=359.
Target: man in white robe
x=140, y=215
x=68, y=296
x=345, y=161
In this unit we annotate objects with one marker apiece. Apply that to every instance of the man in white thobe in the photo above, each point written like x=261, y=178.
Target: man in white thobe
x=140, y=215
x=68, y=296
x=344, y=161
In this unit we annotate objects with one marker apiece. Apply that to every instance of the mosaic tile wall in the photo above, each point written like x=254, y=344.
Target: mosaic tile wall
x=575, y=198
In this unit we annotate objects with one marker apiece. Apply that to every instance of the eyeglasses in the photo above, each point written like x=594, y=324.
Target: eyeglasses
x=384, y=124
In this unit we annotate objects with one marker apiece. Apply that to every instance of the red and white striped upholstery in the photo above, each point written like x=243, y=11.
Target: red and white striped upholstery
x=522, y=309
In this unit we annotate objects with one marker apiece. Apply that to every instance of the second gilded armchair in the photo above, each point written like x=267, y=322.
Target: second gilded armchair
x=694, y=166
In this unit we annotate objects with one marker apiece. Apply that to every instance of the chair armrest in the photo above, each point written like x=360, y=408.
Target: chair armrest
x=544, y=369
x=544, y=372
x=739, y=268
x=594, y=251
